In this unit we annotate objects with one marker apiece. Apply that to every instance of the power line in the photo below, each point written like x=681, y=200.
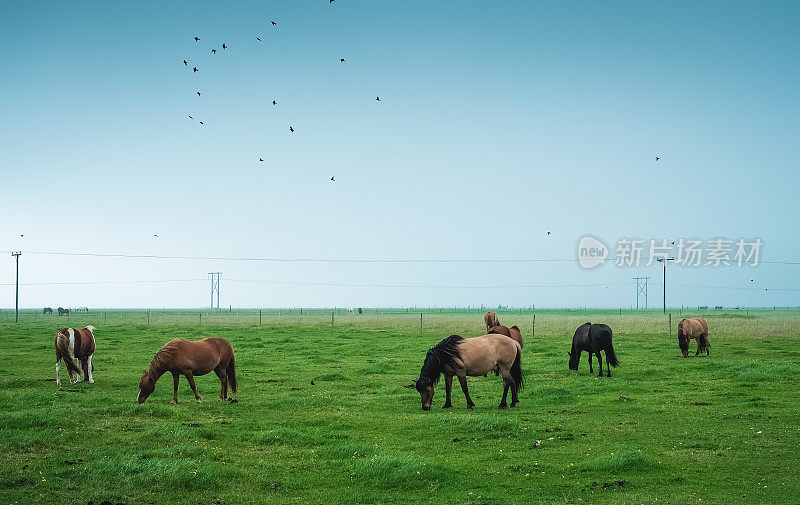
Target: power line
x=335, y=260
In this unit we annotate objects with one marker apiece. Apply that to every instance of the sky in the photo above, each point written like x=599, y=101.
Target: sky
x=497, y=123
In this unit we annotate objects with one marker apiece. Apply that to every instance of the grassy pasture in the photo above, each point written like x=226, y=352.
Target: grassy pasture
x=662, y=429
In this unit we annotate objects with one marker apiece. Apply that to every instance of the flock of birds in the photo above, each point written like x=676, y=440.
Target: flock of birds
x=274, y=101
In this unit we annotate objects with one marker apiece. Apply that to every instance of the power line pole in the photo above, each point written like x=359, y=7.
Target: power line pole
x=641, y=288
x=16, y=255
x=214, y=287
x=665, y=261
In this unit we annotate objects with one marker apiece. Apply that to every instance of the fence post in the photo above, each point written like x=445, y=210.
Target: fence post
x=201, y=318
x=533, y=326
x=301, y=311
x=148, y=318
x=670, y=325
x=331, y=318
x=420, y=322
x=259, y=318
x=104, y=317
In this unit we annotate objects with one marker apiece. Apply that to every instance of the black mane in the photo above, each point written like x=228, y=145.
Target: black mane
x=440, y=356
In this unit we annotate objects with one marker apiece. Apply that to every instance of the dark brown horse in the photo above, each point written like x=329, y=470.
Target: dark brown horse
x=593, y=338
x=74, y=344
x=512, y=333
x=464, y=357
x=190, y=358
x=490, y=318
x=694, y=328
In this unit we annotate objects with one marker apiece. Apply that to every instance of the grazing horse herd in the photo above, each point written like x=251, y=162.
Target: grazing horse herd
x=498, y=351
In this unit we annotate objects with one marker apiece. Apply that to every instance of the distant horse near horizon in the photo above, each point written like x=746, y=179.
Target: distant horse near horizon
x=462, y=357
x=62, y=311
x=593, y=338
x=693, y=328
x=190, y=358
x=490, y=318
x=74, y=344
x=47, y=310
x=513, y=333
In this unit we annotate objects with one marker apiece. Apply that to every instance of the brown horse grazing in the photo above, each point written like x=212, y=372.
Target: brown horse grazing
x=490, y=318
x=74, y=344
x=512, y=333
x=191, y=358
x=474, y=357
x=694, y=328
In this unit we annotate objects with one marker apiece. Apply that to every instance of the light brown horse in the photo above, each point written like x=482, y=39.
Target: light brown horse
x=74, y=344
x=694, y=328
x=460, y=357
x=512, y=333
x=490, y=318
x=190, y=358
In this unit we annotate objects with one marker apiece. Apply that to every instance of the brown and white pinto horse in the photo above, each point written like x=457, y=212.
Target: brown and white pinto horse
x=190, y=358
x=74, y=344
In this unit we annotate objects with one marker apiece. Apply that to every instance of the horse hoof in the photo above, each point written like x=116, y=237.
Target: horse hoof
x=502, y=406
x=447, y=406
x=198, y=400
x=91, y=381
x=470, y=407
x=174, y=402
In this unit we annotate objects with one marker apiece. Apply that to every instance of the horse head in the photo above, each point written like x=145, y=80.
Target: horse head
x=425, y=388
x=683, y=340
x=146, y=386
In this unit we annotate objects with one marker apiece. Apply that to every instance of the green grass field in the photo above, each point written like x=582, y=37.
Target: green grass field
x=662, y=429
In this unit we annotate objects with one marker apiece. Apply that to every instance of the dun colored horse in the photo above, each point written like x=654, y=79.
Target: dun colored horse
x=74, y=344
x=512, y=333
x=460, y=357
x=490, y=318
x=694, y=328
x=593, y=338
x=190, y=358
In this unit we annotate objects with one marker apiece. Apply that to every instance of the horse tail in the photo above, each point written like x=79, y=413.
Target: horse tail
x=231, y=371
x=516, y=369
x=611, y=357
x=62, y=351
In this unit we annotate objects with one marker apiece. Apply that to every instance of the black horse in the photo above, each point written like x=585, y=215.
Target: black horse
x=47, y=310
x=593, y=338
x=62, y=311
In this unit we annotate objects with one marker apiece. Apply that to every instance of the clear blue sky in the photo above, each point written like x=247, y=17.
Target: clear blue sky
x=497, y=123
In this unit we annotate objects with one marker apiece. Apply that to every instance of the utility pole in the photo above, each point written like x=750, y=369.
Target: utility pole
x=641, y=288
x=665, y=261
x=16, y=255
x=214, y=287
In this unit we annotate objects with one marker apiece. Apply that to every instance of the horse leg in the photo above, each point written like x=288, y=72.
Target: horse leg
x=190, y=378
x=514, y=393
x=599, y=364
x=699, y=345
x=505, y=392
x=85, y=367
x=91, y=369
x=58, y=367
x=223, y=379
x=591, y=370
x=448, y=387
x=175, y=378
x=608, y=367
x=463, y=380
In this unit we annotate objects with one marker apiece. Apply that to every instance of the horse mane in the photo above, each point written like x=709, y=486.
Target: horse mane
x=163, y=357
x=444, y=354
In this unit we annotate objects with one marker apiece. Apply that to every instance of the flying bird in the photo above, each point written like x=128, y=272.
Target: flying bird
x=198, y=93
x=258, y=39
x=291, y=129
x=273, y=23
x=155, y=235
x=224, y=46
x=195, y=69
x=186, y=63
x=201, y=122
x=341, y=59
x=333, y=1
x=657, y=158
x=274, y=102
x=377, y=98
x=334, y=180
x=197, y=39
x=213, y=51
x=261, y=159
x=190, y=117
x=548, y=233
